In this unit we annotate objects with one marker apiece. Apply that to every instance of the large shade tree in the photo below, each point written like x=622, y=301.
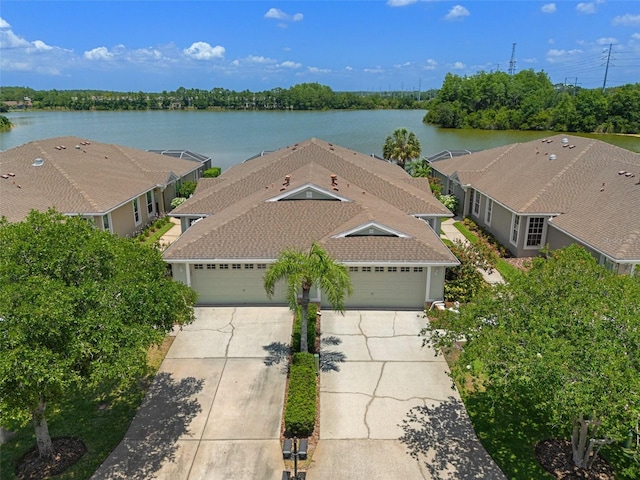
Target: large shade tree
x=77, y=306
x=301, y=271
x=401, y=146
x=566, y=336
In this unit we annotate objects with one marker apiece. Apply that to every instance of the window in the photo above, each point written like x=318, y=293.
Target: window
x=211, y=266
x=248, y=266
x=379, y=269
x=488, y=211
x=417, y=269
x=236, y=266
x=366, y=269
x=150, y=202
x=476, y=203
x=224, y=266
x=198, y=266
x=534, y=231
x=136, y=212
x=515, y=229
x=261, y=266
x=105, y=223
x=405, y=269
x=309, y=194
x=353, y=269
x=392, y=269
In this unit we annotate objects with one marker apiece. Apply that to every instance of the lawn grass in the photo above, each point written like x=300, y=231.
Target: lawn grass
x=157, y=235
x=99, y=417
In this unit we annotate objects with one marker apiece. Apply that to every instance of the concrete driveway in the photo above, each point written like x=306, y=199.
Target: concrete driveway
x=214, y=410
x=387, y=407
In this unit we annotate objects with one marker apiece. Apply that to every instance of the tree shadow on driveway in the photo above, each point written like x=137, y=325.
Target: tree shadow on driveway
x=277, y=353
x=164, y=416
x=443, y=438
x=330, y=359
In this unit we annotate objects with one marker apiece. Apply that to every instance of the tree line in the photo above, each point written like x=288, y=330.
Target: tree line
x=305, y=96
x=529, y=101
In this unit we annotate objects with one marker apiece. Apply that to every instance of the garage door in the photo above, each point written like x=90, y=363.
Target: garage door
x=233, y=284
x=398, y=287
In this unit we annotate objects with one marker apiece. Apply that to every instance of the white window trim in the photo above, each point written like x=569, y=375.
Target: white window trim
x=513, y=221
x=488, y=211
x=110, y=229
x=543, y=234
x=135, y=205
x=475, y=209
x=153, y=202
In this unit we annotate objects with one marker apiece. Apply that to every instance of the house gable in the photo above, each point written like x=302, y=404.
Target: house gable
x=372, y=229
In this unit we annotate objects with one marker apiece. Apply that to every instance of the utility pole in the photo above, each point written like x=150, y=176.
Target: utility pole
x=419, y=88
x=512, y=62
x=606, y=70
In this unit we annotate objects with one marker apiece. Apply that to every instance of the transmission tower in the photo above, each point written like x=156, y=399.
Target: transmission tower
x=512, y=62
x=606, y=70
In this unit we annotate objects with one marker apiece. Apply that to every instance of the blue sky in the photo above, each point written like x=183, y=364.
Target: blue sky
x=348, y=45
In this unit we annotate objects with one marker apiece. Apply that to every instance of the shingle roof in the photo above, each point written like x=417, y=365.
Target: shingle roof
x=553, y=176
x=93, y=178
x=244, y=223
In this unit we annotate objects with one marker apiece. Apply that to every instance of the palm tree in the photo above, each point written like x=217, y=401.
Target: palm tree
x=301, y=270
x=401, y=146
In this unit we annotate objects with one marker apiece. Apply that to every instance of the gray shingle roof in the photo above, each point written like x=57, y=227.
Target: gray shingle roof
x=243, y=223
x=93, y=178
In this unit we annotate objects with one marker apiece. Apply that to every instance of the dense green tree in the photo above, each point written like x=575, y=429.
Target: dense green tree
x=301, y=271
x=5, y=123
x=401, y=146
x=77, y=306
x=565, y=335
x=418, y=168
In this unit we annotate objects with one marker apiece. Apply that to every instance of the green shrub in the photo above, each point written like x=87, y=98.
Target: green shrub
x=177, y=202
x=187, y=189
x=300, y=411
x=449, y=201
x=312, y=312
x=212, y=172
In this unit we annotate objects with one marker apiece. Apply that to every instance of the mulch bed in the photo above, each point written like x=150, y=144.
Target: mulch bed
x=67, y=451
x=556, y=457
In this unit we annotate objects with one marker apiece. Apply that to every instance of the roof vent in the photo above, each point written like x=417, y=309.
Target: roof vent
x=37, y=162
x=565, y=141
x=552, y=156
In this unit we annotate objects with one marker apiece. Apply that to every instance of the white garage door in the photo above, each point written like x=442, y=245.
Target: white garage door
x=398, y=287
x=233, y=284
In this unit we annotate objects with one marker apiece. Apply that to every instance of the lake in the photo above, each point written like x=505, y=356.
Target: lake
x=231, y=137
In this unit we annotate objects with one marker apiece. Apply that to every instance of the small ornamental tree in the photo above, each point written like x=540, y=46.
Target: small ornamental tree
x=77, y=306
x=565, y=335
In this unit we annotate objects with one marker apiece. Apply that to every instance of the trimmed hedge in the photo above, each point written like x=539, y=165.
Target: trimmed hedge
x=300, y=411
x=312, y=312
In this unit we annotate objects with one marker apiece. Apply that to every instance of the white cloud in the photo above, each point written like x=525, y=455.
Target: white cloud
x=204, y=51
x=627, y=20
x=318, y=70
x=586, y=8
x=403, y=65
x=400, y=3
x=290, y=64
x=458, y=66
x=606, y=40
x=548, y=8
x=259, y=59
x=377, y=69
x=277, y=14
x=98, y=53
x=40, y=45
x=558, y=55
x=4, y=24
x=431, y=64
x=348, y=68
x=457, y=12
x=636, y=36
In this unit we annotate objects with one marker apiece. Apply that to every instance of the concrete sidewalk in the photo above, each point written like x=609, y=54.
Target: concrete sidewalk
x=387, y=409
x=214, y=409
x=450, y=232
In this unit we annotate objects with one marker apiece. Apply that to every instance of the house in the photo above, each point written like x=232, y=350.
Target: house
x=369, y=215
x=120, y=189
x=187, y=155
x=553, y=192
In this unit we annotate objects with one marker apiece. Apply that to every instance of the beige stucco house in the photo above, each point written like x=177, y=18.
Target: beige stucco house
x=553, y=192
x=368, y=214
x=120, y=189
